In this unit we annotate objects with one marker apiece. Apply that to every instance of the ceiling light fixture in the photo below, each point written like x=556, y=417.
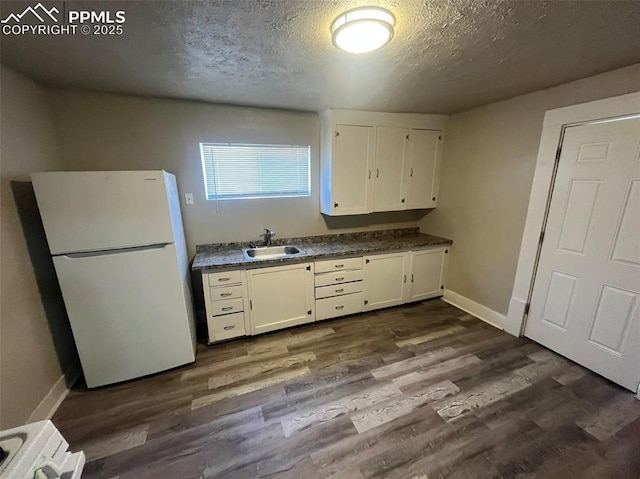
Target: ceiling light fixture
x=362, y=30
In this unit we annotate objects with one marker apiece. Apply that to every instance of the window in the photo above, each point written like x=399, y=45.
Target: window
x=237, y=171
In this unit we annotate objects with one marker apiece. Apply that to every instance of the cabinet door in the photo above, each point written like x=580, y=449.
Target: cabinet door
x=391, y=152
x=352, y=164
x=421, y=175
x=426, y=278
x=385, y=278
x=280, y=297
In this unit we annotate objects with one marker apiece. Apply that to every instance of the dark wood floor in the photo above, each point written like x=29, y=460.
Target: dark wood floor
x=418, y=391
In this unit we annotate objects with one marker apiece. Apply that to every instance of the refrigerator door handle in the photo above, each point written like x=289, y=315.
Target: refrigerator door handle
x=91, y=254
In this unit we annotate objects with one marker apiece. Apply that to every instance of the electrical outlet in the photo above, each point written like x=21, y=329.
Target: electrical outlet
x=188, y=198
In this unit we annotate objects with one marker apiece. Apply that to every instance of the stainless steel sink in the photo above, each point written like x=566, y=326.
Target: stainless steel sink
x=271, y=252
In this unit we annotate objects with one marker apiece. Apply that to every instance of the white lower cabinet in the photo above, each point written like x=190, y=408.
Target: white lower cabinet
x=426, y=277
x=255, y=301
x=280, y=297
x=226, y=302
x=385, y=277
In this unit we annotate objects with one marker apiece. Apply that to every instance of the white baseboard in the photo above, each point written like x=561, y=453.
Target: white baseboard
x=487, y=315
x=50, y=403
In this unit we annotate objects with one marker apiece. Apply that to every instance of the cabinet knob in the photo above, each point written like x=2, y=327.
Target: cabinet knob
x=339, y=290
x=340, y=279
x=224, y=295
x=227, y=308
x=339, y=307
x=335, y=205
x=403, y=200
x=446, y=251
x=377, y=172
x=439, y=137
x=227, y=328
x=309, y=312
x=407, y=137
x=433, y=199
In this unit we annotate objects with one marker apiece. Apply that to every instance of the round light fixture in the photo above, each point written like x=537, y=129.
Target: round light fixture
x=363, y=29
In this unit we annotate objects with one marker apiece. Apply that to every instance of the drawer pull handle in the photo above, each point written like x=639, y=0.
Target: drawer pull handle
x=339, y=290
x=224, y=279
x=339, y=307
x=227, y=328
x=339, y=279
x=224, y=295
x=227, y=308
x=339, y=266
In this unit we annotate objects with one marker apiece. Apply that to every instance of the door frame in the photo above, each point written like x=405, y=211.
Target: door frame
x=555, y=122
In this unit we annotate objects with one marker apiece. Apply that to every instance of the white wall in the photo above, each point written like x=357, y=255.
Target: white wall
x=111, y=132
x=36, y=345
x=489, y=161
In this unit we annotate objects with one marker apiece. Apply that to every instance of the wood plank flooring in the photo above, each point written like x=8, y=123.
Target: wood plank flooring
x=420, y=391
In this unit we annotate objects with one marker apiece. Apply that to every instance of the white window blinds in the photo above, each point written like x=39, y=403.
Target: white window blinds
x=236, y=171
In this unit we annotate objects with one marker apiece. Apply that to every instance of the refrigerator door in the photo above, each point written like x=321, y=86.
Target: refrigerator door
x=128, y=311
x=100, y=210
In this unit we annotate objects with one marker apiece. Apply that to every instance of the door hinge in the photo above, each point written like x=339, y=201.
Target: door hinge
x=366, y=302
x=526, y=308
x=309, y=312
x=404, y=278
x=250, y=304
x=541, y=237
x=308, y=268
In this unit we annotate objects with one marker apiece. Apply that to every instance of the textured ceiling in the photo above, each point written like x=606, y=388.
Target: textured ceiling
x=446, y=56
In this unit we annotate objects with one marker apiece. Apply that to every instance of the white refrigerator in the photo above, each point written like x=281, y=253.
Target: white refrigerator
x=119, y=251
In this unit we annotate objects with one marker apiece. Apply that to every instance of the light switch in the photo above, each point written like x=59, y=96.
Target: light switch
x=188, y=198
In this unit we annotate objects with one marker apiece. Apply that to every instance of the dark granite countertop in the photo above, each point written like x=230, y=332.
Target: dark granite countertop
x=229, y=255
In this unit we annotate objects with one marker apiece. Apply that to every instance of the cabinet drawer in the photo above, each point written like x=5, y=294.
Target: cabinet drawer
x=338, y=277
x=225, y=327
x=338, y=289
x=338, y=264
x=228, y=292
x=226, y=277
x=339, y=306
x=226, y=306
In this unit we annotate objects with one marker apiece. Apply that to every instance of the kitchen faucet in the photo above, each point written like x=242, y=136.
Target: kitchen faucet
x=268, y=234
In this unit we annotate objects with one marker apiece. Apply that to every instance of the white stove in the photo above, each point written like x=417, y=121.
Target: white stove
x=38, y=451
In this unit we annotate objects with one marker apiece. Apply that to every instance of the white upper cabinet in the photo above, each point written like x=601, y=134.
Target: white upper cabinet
x=374, y=162
x=352, y=169
x=421, y=169
x=392, y=155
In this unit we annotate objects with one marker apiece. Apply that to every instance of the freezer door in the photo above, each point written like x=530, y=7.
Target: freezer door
x=128, y=312
x=98, y=210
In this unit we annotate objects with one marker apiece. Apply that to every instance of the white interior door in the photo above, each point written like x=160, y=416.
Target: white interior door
x=585, y=301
